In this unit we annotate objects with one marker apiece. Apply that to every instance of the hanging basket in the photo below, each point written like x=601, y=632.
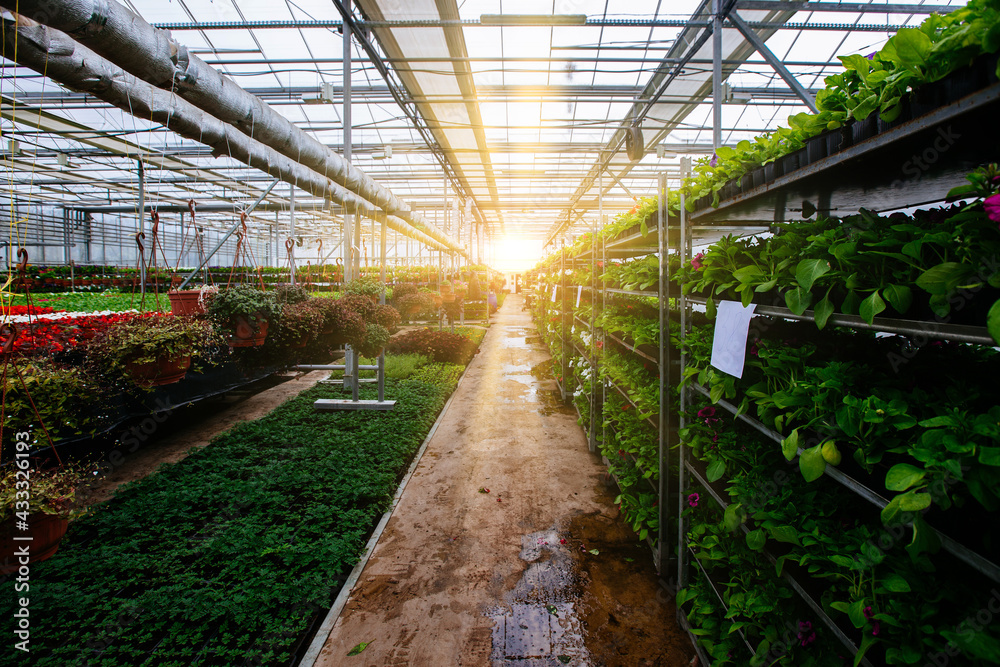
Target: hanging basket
x=186, y=302
x=244, y=335
x=448, y=297
x=45, y=531
x=165, y=370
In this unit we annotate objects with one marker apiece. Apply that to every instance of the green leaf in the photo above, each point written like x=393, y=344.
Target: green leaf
x=358, y=649
x=912, y=501
x=756, y=539
x=871, y=307
x=716, y=469
x=856, y=612
x=866, y=643
x=989, y=456
x=851, y=303
x=710, y=309
x=925, y=540
x=594, y=552
x=809, y=270
x=865, y=107
x=812, y=464
x=902, y=476
x=790, y=445
x=786, y=534
x=993, y=322
x=895, y=583
x=823, y=311
x=798, y=300
x=944, y=278
x=733, y=517
x=912, y=46
x=748, y=274
x=899, y=297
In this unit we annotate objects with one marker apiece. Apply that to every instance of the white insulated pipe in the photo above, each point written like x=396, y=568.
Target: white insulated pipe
x=56, y=55
x=126, y=39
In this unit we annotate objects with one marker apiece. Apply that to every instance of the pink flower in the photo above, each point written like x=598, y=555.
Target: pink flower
x=806, y=634
x=992, y=206
x=868, y=612
x=707, y=411
x=693, y=499
x=696, y=261
x=875, y=629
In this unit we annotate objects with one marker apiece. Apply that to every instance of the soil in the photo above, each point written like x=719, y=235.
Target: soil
x=188, y=429
x=506, y=547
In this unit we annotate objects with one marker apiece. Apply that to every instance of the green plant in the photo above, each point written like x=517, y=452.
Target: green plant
x=364, y=286
x=51, y=491
x=144, y=339
x=441, y=346
x=65, y=398
x=376, y=338
x=241, y=301
x=299, y=320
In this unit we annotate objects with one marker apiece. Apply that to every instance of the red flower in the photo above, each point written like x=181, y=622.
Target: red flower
x=696, y=262
x=992, y=206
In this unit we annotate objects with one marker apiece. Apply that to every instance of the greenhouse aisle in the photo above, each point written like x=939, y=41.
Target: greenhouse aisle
x=506, y=547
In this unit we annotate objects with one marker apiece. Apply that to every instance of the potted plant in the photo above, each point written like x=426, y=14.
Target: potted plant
x=241, y=313
x=376, y=338
x=43, y=514
x=154, y=350
x=190, y=301
x=341, y=323
x=64, y=402
x=299, y=322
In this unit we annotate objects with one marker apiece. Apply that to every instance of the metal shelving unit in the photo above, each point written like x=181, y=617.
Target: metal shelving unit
x=839, y=184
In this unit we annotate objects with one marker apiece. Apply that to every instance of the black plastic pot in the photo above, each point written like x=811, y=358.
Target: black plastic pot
x=703, y=202
x=757, y=176
x=864, y=129
x=728, y=190
x=793, y=161
x=746, y=183
x=772, y=170
x=837, y=140
x=816, y=149
x=905, y=114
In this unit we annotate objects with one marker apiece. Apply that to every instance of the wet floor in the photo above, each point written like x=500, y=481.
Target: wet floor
x=506, y=547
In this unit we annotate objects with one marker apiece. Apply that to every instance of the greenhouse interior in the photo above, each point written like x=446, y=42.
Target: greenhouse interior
x=500, y=333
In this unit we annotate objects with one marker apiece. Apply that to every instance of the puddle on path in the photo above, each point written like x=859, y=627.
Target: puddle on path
x=538, y=626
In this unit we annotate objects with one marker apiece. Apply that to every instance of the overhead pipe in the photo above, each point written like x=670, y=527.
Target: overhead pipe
x=56, y=55
x=126, y=39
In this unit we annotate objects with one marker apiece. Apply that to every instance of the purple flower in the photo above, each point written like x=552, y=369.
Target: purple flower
x=708, y=411
x=714, y=161
x=875, y=629
x=693, y=499
x=992, y=206
x=806, y=633
x=871, y=56
x=868, y=612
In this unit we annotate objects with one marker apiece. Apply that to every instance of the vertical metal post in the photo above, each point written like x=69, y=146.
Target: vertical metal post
x=684, y=253
x=142, y=229
x=381, y=356
x=560, y=304
x=663, y=289
x=717, y=73
x=349, y=243
x=291, y=231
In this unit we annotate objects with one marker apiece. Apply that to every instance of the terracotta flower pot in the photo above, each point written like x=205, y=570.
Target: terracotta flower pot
x=186, y=302
x=45, y=530
x=165, y=370
x=244, y=334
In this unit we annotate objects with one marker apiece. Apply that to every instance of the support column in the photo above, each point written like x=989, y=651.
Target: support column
x=716, y=73
x=291, y=231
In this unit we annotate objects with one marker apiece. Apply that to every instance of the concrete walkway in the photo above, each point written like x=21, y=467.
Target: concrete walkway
x=462, y=576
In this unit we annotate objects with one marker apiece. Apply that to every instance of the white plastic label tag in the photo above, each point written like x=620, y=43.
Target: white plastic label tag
x=729, y=346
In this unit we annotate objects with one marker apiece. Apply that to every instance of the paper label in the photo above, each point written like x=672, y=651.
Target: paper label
x=729, y=346
x=554, y=288
x=579, y=293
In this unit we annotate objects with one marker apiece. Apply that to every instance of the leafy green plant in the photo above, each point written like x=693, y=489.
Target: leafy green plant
x=145, y=339
x=51, y=491
x=241, y=301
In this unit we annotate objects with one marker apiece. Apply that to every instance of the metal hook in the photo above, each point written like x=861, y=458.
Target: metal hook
x=9, y=334
x=22, y=264
x=289, y=244
x=191, y=208
x=155, y=217
x=320, y=242
x=139, y=238
x=243, y=221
